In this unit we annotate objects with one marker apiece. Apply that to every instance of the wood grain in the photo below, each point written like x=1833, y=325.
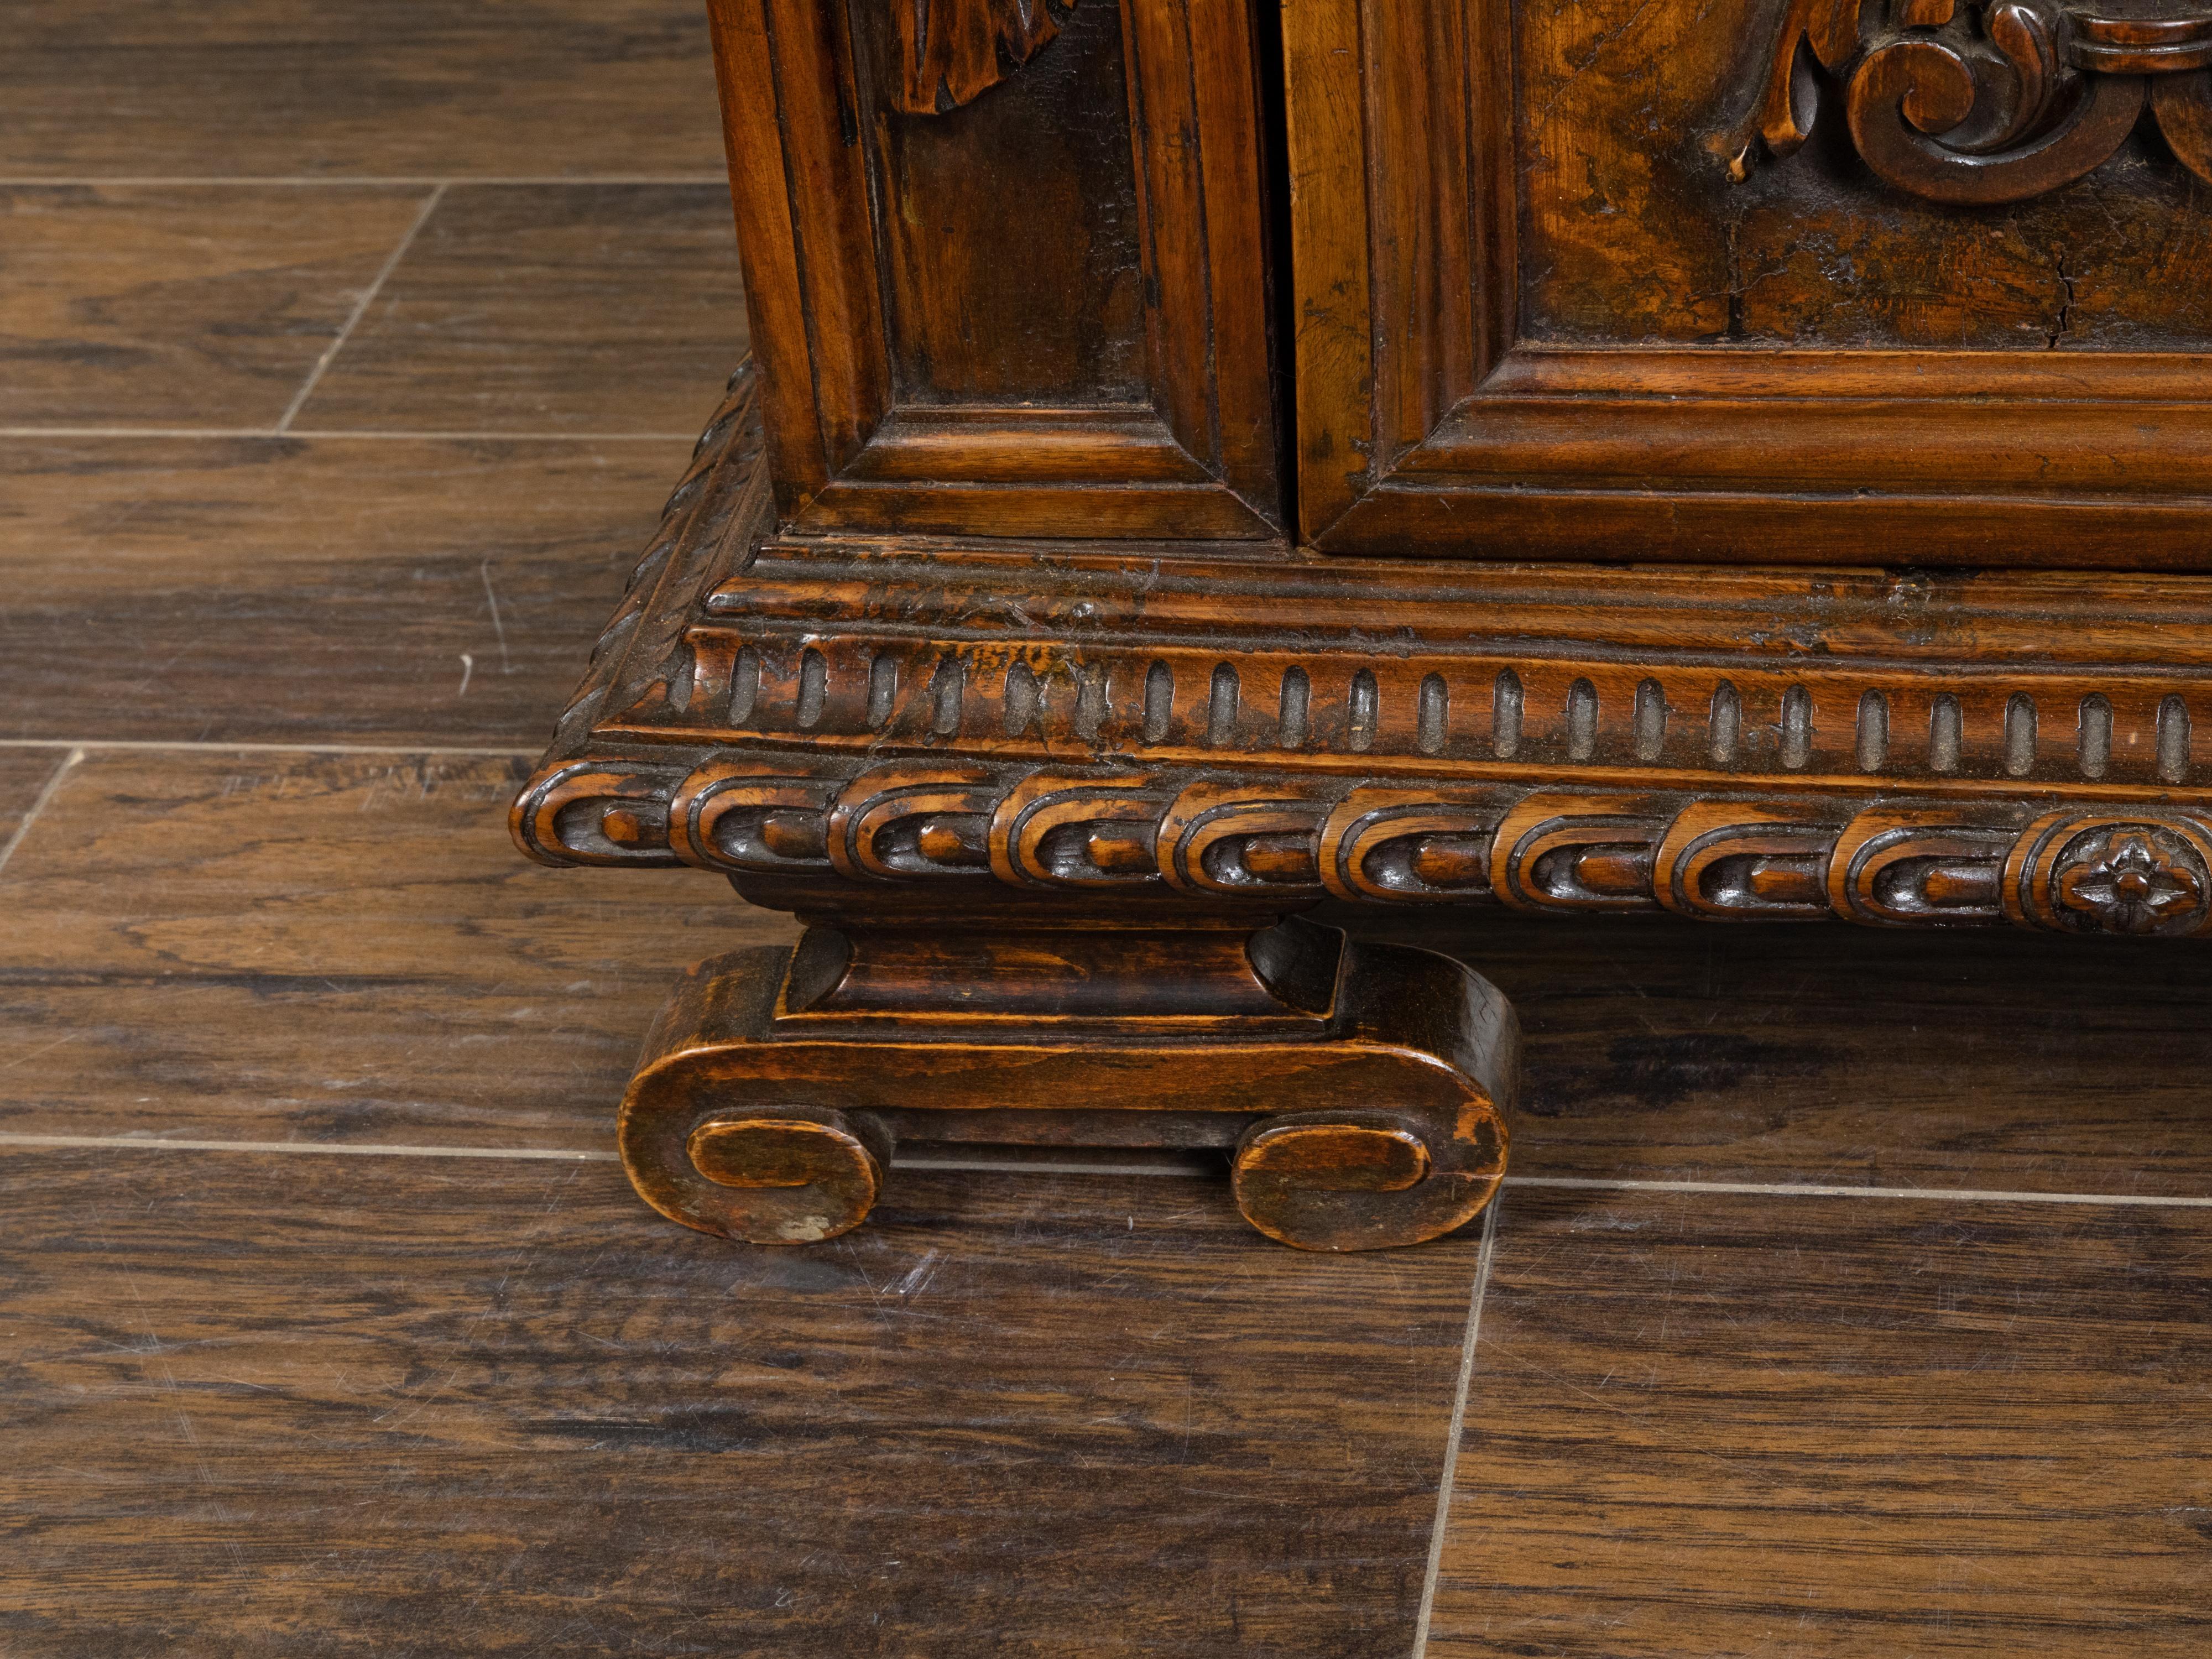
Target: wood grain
x=23, y=773
x=1656, y=1049
x=384, y=87
x=1834, y=1427
x=403, y=1406
x=598, y=308
x=201, y=306
x=280, y=590
x=280, y=946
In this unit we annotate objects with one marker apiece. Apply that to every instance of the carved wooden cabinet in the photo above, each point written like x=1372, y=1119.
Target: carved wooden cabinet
x=1749, y=460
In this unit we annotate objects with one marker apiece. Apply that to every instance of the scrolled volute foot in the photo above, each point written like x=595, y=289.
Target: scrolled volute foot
x=1368, y=1180
x=761, y=1173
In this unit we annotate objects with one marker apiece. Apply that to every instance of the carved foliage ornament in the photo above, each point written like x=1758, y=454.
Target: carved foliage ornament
x=950, y=51
x=1978, y=103
x=2113, y=876
x=2131, y=880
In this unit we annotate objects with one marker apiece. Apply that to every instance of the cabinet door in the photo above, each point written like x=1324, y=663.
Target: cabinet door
x=1914, y=282
x=1005, y=263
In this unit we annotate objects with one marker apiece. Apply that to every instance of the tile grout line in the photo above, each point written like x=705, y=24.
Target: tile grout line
x=1739, y=1188
x=46, y=792
x=342, y=434
x=1458, y=1427
x=105, y=745
x=1809, y=1190
x=345, y=435
x=354, y=1149
x=281, y=180
x=533, y=1154
x=361, y=309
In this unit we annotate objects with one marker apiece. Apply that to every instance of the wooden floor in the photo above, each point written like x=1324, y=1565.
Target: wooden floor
x=1852, y=1294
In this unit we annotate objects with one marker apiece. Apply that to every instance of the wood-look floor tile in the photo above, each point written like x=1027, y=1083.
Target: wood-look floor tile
x=548, y=308
x=1835, y=1427
x=375, y=591
x=264, y=945
x=24, y=773
x=196, y=306
x=266, y=1405
x=370, y=87
x=1661, y=1049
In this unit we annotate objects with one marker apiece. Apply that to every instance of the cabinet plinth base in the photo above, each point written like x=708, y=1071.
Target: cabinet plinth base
x=1042, y=803
x=1365, y=1109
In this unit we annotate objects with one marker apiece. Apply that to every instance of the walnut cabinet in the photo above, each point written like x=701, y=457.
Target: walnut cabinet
x=1203, y=457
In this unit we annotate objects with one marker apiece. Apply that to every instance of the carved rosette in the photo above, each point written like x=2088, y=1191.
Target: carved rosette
x=2104, y=873
x=1981, y=103
x=2091, y=868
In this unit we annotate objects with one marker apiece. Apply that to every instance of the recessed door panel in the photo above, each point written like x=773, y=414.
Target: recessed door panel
x=1777, y=281
x=1006, y=264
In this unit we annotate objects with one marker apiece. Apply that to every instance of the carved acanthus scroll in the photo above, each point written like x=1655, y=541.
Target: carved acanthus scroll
x=1981, y=103
x=952, y=51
